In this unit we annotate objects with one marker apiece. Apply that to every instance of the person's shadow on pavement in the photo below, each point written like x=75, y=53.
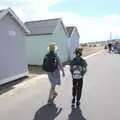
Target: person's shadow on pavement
x=47, y=112
x=76, y=114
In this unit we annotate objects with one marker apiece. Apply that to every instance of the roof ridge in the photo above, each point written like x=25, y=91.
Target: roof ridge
x=16, y=18
x=43, y=20
x=70, y=26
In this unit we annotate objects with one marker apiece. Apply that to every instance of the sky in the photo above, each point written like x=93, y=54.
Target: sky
x=94, y=19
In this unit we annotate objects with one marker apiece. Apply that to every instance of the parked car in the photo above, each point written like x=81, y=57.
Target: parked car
x=116, y=48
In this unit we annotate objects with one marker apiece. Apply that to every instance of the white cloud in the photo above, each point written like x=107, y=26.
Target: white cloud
x=29, y=9
x=90, y=28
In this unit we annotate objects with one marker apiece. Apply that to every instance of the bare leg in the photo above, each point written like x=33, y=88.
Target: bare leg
x=52, y=91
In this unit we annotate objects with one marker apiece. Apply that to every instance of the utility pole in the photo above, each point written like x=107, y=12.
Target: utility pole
x=110, y=36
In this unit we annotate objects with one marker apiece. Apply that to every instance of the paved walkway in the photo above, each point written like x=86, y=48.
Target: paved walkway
x=100, y=98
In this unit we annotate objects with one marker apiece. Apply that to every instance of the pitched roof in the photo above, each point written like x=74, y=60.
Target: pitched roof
x=4, y=12
x=70, y=30
x=42, y=27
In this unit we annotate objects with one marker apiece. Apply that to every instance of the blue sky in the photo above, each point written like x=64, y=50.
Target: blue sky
x=88, y=7
x=95, y=10
x=94, y=19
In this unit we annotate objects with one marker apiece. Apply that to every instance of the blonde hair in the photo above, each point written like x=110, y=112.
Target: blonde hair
x=52, y=47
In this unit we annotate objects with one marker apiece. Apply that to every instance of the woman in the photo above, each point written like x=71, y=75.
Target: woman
x=52, y=66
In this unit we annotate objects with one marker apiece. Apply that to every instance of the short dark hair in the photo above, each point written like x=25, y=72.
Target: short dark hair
x=78, y=51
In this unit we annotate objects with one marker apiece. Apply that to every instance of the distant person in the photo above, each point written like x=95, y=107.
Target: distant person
x=110, y=47
x=78, y=67
x=52, y=65
x=105, y=47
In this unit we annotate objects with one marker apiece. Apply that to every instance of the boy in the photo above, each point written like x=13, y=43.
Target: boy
x=78, y=67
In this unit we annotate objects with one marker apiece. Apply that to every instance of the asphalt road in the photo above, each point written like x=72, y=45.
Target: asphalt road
x=100, y=98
